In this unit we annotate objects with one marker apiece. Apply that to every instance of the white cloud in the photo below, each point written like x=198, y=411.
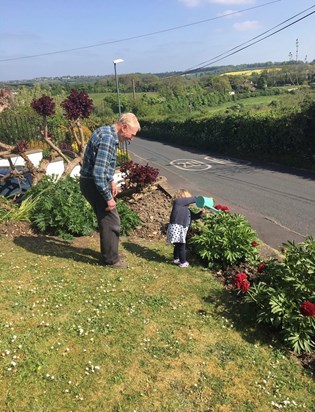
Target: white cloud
x=229, y=14
x=246, y=25
x=191, y=3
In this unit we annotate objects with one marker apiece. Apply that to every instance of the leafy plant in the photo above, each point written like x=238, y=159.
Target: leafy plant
x=11, y=211
x=284, y=295
x=44, y=106
x=61, y=210
x=138, y=176
x=77, y=105
x=129, y=219
x=224, y=239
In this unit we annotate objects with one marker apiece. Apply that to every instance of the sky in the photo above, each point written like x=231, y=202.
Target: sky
x=44, y=38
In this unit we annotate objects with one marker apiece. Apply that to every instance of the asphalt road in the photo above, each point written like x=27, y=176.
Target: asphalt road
x=278, y=202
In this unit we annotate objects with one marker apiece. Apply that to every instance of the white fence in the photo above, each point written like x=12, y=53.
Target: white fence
x=56, y=167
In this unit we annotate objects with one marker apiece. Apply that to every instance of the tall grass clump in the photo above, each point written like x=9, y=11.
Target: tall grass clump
x=17, y=212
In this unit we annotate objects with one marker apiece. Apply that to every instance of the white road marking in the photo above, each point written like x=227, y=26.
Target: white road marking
x=190, y=165
x=215, y=160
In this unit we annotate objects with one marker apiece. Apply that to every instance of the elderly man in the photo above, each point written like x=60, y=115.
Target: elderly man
x=98, y=186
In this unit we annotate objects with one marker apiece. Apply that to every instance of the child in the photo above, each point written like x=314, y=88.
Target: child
x=180, y=220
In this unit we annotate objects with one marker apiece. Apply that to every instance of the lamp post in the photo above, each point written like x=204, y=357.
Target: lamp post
x=117, y=85
x=122, y=145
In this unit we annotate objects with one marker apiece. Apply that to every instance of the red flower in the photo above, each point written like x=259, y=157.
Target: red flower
x=245, y=285
x=261, y=267
x=222, y=207
x=254, y=243
x=307, y=309
x=239, y=279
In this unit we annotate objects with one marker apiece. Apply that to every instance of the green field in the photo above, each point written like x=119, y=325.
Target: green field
x=249, y=103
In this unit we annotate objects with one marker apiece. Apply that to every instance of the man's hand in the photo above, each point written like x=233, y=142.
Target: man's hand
x=111, y=204
x=115, y=189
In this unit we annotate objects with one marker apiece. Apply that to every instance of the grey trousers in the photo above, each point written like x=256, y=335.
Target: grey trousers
x=108, y=222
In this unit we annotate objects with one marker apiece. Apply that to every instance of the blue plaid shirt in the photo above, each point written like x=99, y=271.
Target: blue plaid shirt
x=99, y=161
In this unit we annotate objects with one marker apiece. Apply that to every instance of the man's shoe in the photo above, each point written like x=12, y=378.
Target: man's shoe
x=118, y=265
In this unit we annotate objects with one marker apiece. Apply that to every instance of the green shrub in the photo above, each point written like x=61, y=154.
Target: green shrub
x=284, y=295
x=223, y=239
x=61, y=209
x=129, y=219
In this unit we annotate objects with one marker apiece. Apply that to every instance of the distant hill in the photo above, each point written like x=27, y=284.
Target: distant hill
x=213, y=70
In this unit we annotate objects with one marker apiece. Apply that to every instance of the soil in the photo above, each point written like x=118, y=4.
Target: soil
x=154, y=208
x=13, y=229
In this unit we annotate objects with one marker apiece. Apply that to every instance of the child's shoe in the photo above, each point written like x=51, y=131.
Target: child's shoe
x=184, y=265
x=176, y=261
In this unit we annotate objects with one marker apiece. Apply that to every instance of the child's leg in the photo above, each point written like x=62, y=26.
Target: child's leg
x=176, y=251
x=182, y=252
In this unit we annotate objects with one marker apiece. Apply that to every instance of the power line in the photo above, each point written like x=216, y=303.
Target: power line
x=225, y=55
x=138, y=36
x=214, y=59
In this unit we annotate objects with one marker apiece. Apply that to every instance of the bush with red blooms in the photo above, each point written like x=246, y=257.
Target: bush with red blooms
x=261, y=267
x=222, y=207
x=137, y=176
x=307, y=309
x=44, y=106
x=245, y=286
x=241, y=282
x=77, y=105
x=283, y=295
x=238, y=279
x=254, y=243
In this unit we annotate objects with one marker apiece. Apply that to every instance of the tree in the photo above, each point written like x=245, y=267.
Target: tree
x=262, y=80
x=76, y=106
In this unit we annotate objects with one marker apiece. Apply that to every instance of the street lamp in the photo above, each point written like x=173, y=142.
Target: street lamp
x=122, y=145
x=117, y=85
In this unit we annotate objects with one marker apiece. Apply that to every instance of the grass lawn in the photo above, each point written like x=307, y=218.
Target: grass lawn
x=75, y=336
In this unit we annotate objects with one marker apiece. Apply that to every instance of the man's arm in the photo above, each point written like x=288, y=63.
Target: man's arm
x=103, y=159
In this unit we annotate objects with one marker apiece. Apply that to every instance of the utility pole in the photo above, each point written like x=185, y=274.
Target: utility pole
x=133, y=89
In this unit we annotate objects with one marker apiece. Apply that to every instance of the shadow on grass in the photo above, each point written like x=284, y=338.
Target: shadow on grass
x=144, y=252
x=242, y=316
x=52, y=246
